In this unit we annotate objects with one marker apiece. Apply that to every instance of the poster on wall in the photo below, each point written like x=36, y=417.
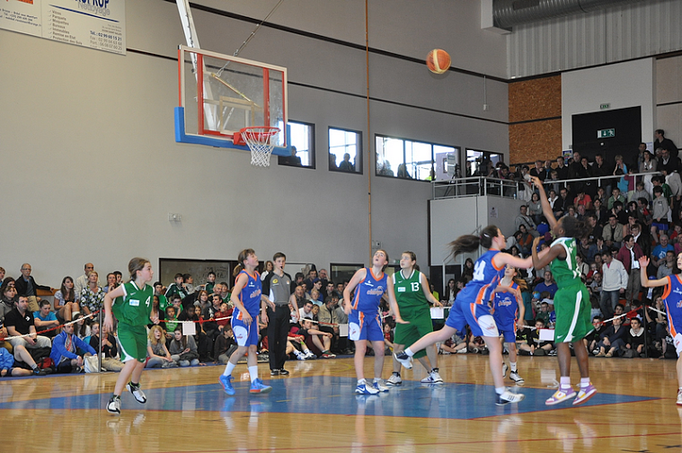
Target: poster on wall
x=97, y=24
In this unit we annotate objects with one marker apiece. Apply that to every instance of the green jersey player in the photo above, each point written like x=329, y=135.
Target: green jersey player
x=131, y=303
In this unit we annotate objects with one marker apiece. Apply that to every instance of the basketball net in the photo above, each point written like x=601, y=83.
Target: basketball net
x=261, y=142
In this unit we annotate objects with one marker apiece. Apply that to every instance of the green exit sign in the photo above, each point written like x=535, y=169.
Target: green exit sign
x=606, y=133
x=604, y=106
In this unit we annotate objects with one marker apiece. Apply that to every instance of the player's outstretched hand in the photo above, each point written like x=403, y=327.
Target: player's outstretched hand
x=400, y=320
x=536, y=242
x=644, y=261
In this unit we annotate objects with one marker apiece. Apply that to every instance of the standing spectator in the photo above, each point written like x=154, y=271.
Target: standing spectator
x=65, y=351
x=629, y=254
x=664, y=143
x=111, y=282
x=177, y=287
x=661, y=210
x=561, y=169
x=20, y=322
x=27, y=286
x=82, y=281
x=614, y=283
x=648, y=164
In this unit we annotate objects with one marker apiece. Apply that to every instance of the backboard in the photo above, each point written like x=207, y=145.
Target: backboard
x=221, y=94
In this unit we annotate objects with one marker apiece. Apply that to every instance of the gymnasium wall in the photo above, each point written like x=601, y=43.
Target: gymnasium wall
x=92, y=169
x=669, y=97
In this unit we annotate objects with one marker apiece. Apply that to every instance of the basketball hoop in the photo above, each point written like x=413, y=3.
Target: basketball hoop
x=261, y=141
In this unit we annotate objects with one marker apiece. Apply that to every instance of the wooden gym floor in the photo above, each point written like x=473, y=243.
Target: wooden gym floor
x=315, y=409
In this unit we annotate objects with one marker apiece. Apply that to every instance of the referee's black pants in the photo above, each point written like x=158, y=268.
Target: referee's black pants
x=278, y=328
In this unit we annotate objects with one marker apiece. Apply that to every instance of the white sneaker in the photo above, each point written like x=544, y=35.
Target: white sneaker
x=138, y=394
x=514, y=376
x=505, y=368
x=679, y=397
x=432, y=378
x=509, y=397
x=114, y=405
x=395, y=379
x=380, y=386
x=404, y=359
x=299, y=355
x=363, y=388
x=462, y=351
x=309, y=355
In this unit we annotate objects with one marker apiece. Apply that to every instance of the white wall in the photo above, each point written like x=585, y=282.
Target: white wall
x=92, y=169
x=669, y=98
x=622, y=85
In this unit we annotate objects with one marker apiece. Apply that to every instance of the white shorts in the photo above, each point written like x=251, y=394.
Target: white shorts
x=678, y=343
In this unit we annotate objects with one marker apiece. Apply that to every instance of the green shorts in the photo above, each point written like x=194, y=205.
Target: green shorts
x=133, y=342
x=419, y=325
x=572, y=306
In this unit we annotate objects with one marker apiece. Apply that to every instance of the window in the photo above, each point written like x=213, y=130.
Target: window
x=479, y=163
x=345, y=150
x=302, y=137
x=414, y=160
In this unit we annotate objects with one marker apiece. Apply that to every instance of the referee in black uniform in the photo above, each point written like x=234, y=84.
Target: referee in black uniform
x=277, y=288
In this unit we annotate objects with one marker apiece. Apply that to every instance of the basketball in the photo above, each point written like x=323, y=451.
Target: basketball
x=438, y=61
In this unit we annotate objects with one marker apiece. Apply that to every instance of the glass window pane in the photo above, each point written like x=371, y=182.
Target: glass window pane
x=418, y=161
x=389, y=155
x=302, y=137
x=345, y=150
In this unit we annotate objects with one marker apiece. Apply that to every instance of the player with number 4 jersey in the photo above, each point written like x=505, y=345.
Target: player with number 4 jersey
x=472, y=305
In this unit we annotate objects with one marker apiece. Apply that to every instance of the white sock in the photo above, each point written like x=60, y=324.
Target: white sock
x=584, y=382
x=377, y=379
x=228, y=369
x=253, y=372
x=409, y=352
x=565, y=382
x=512, y=365
x=500, y=390
x=361, y=381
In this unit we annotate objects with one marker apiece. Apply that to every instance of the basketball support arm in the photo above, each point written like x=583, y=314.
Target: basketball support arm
x=193, y=41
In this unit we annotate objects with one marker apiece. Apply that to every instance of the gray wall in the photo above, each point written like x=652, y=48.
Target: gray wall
x=91, y=169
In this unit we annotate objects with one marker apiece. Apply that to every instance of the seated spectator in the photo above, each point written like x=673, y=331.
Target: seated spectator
x=648, y=163
x=177, y=287
x=529, y=341
x=635, y=339
x=613, y=232
x=45, y=319
x=329, y=322
x=547, y=285
x=666, y=269
x=543, y=314
x=157, y=315
x=110, y=362
x=159, y=290
x=65, y=303
x=306, y=311
x=524, y=219
x=592, y=339
x=525, y=241
x=388, y=339
x=111, y=283
x=183, y=349
x=202, y=301
x=615, y=196
x=611, y=339
x=27, y=286
x=20, y=322
x=205, y=344
x=455, y=344
x=319, y=342
x=65, y=351
x=171, y=319
x=595, y=286
x=315, y=297
x=92, y=296
x=157, y=353
x=660, y=251
x=224, y=345
x=601, y=213
x=535, y=209
x=7, y=367
x=9, y=293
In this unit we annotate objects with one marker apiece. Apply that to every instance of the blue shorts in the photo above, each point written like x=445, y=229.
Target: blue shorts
x=477, y=316
x=364, y=326
x=508, y=333
x=245, y=334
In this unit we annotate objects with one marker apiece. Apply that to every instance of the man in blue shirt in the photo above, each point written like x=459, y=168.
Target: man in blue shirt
x=658, y=255
x=547, y=285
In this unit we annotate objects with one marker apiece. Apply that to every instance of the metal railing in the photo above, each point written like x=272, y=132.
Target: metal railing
x=481, y=186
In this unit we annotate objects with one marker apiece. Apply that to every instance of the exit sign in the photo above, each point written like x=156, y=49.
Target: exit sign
x=606, y=133
x=604, y=106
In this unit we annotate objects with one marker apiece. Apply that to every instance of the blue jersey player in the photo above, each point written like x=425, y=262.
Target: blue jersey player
x=507, y=311
x=246, y=297
x=368, y=285
x=472, y=305
x=672, y=297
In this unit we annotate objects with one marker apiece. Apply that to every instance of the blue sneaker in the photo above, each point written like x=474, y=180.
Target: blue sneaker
x=366, y=389
x=226, y=381
x=257, y=386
